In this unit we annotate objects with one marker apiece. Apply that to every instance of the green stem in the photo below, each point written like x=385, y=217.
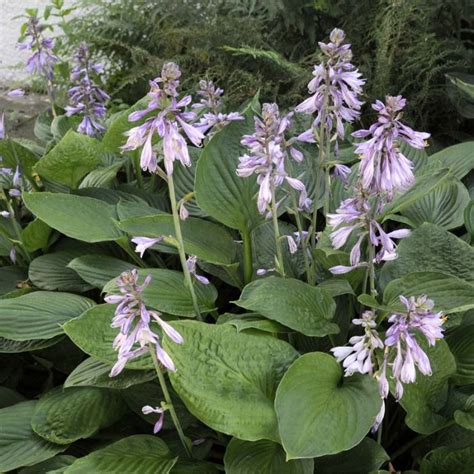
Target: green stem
x=276, y=230
x=182, y=254
x=138, y=170
x=371, y=270
x=327, y=177
x=248, y=261
x=169, y=402
x=304, y=248
x=18, y=230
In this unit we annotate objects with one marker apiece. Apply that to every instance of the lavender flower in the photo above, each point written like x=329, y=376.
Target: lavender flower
x=211, y=101
x=2, y=126
x=86, y=98
x=383, y=167
x=147, y=410
x=16, y=93
x=191, y=264
x=267, y=148
x=335, y=89
x=359, y=356
x=171, y=123
x=43, y=59
x=419, y=319
x=144, y=243
x=133, y=319
x=355, y=215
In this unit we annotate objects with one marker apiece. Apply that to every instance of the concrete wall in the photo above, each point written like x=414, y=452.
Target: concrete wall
x=10, y=56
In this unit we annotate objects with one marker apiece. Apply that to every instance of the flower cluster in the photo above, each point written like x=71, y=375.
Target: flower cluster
x=383, y=167
x=171, y=122
x=134, y=320
x=359, y=356
x=401, y=348
x=43, y=59
x=268, y=152
x=335, y=88
x=211, y=101
x=86, y=98
x=355, y=215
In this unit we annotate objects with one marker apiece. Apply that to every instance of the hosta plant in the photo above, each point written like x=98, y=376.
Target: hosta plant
x=190, y=289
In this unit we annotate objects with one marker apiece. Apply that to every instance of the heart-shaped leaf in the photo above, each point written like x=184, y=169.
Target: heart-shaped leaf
x=293, y=303
x=228, y=379
x=321, y=412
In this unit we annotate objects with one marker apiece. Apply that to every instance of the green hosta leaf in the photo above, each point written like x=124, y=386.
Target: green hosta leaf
x=208, y=241
x=219, y=191
x=8, y=346
x=321, y=412
x=9, y=397
x=465, y=417
x=39, y=315
x=55, y=465
x=450, y=294
x=102, y=177
x=94, y=373
x=228, y=379
x=19, y=445
x=36, y=235
x=99, y=269
x=366, y=457
x=138, y=396
x=114, y=137
x=423, y=399
x=92, y=333
x=65, y=415
x=43, y=122
x=432, y=249
x=262, y=457
x=248, y=321
x=13, y=152
x=70, y=160
x=168, y=293
x=461, y=344
x=459, y=159
x=421, y=188
x=184, y=466
x=51, y=272
x=10, y=278
x=79, y=217
x=469, y=220
x=184, y=182
x=443, y=206
x=448, y=461
x=295, y=304
x=144, y=454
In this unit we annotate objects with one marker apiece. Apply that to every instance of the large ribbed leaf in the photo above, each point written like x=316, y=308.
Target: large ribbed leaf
x=443, y=206
x=461, y=344
x=459, y=159
x=39, y=315
x=206, y=240
x=79, y=217
x=262, y=457
x=450, y=294
x=321, y=412
x=293, y=303
x=94, y=373
x=70, y=160
x=19, y=445
x=228, y=379
x=51, y=272
x=144, y=454
x=92, y=333
x=98, y=269
x=432, y=249
x=9, y=346
x=167, y=292
x=10, y=277
x=219, y=191
x=65, y=415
